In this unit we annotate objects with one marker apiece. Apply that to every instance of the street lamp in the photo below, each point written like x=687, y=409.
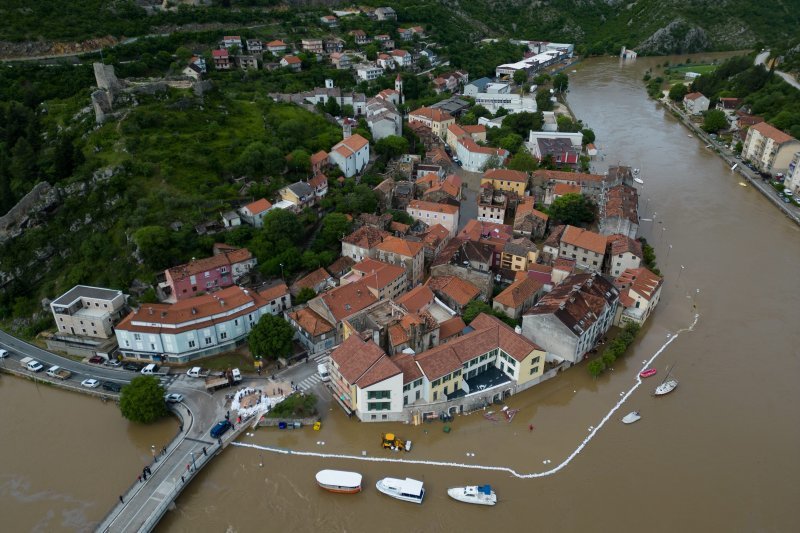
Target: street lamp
x=153, y=449
x=281, y=270
x=194, y=466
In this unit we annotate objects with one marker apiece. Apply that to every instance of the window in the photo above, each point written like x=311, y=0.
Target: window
x=192, y=344
x=536, y=359
x=418, y=383
x=436, y=383
x=137, y=337
x=446, y=379
x=236, y=322
x=206, y=274
x=208, y=340
x=152, y=346
x=378, y=395
x=223, y=335
x=407, y=387
x=534, y=370
x=379, y=406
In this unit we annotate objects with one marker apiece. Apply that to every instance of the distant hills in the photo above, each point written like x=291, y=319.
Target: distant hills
x=598, y=26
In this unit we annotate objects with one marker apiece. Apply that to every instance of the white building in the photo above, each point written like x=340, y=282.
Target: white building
x=792, y=180
x=88, y=311
x=640, y=291
x=254, y=212
x=571, y=319
x=695, y=103
x=193, y=328
x=770, y=149
x=368, y=72
x=511, y=102
x=531, y=64
x=433, y=213
x=351, y=155
x=575, y=138
x=474, y=157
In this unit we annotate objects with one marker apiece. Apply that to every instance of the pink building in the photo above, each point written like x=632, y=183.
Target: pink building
x=221, y=270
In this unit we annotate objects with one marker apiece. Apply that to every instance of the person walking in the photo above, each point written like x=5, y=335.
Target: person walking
x=120, y=499
x=140, y=478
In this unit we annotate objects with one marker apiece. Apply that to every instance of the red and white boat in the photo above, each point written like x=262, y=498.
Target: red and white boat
x=339, y=481
x=647, y=373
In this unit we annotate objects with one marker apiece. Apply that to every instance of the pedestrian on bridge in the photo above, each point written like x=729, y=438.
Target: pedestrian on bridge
x=120, y=499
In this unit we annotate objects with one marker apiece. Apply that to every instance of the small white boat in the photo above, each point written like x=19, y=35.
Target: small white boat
x=639, y=180
x=734, y=166
x=636, y=171
x=631, y=417
x=409, y=490
x=666, y=387
x=339, y=481
x=479, y=495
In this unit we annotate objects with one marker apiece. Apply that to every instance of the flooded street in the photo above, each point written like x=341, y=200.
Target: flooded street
x=66, y=456
x=718, y=454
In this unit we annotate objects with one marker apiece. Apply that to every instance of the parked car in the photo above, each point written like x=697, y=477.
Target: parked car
x=3, y=354
x=135, y=367
x=90, y=383
x=785, y=199
x=113, y=363
x=173, y=398
x=220, y=428
x=111, y=386
x=97, y=360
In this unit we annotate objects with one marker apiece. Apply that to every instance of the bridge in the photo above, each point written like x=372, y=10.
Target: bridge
x=144, y=503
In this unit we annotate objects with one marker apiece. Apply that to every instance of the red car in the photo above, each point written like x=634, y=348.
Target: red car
x=97, y=360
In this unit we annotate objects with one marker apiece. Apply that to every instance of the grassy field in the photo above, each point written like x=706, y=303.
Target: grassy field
x=678, y=73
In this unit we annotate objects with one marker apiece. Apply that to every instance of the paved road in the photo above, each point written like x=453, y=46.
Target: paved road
x=793, y=211
x=788, y=78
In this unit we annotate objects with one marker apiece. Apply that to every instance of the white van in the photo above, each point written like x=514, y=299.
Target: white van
x=236, y=375
x=150, y=369
x=322, y=370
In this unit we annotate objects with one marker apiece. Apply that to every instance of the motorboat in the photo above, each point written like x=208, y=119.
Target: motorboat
x=479, y=495
x=648, y=373
x=640, y=181
x=339, y=481
x=631, y=417
x=409, y=490
x=666, y=387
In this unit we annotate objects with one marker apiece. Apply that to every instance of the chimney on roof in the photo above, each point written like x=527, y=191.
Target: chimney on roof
x=150, y=309
x=194, y=310
x=222, y=302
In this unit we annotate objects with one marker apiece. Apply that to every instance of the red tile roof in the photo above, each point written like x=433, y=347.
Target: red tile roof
x=433, y=207
x=772, y=132
x=581, y=238
x=377, y=274
x=431, y=113
x=559, y=175
x=311, y=322
x=459, y=290
x=291, y=60
x=506, y=175
x=620, y=244
x=400, y=246
x=362, y=363
x=516, y=294
x=416, y=299
x=366, y=237
x=313, y=279
x=640, y=280
x=198, y=266
x=259, y=206
x=274, y=292
x=193, y=313
x=451, y=328
x=353, y=144
x=348, y=299
x=408, y=366
x=561, y=189
x=319, y=157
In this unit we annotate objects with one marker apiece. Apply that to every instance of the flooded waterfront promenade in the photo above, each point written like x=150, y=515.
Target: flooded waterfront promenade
x=718, y=454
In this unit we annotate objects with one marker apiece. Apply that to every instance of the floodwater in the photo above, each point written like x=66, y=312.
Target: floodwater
x=66, y=457
x=718, y=454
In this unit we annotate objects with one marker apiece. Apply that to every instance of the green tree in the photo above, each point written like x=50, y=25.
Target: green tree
x=332, y=107
x=304, y=295
x=588, y=136
x=253, y=160
x=543, y=101
x=573, y=209
x=66, y=157
x=334, y=227
x=511, y=142
x=23, y=161
x=401, y=216
x=523, y=161
x=714, y=121
x=474, y=308
x=371, y=51
x=492, y=162
x=299, y=161
x=677, y=92
x=596, y=367
x=520, y=77
x=560, y=82
x=391, y=146
x=271, y=337
x=142, y=400
x=155, y=245
x=566, y=124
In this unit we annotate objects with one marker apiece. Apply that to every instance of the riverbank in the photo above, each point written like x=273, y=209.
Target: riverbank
x=729, y=157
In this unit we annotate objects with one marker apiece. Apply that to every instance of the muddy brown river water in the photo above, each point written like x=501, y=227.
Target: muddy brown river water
x=718, y=454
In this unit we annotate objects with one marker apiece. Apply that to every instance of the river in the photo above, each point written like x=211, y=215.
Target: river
x=718, y=454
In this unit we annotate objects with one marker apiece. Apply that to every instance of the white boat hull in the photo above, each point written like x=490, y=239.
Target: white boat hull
x=339, y=481
x=666, y=387
x=631, y=417
x=396, y=489
x=471, y=495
